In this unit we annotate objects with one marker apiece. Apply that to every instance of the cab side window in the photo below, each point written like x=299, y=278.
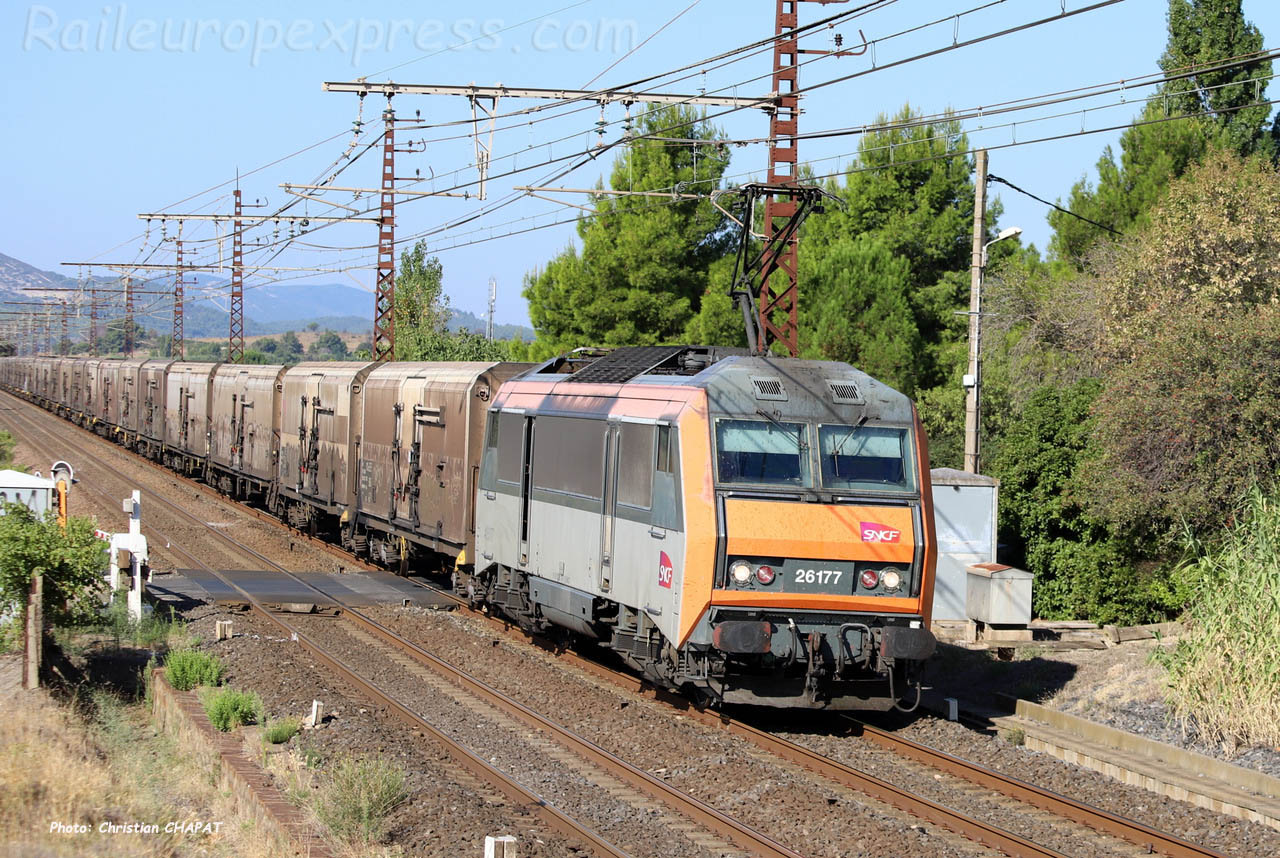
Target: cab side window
x=666, y=480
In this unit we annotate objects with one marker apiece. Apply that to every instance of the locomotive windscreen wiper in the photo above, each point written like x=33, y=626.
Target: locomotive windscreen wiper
x=799, y=439
x=839, y=448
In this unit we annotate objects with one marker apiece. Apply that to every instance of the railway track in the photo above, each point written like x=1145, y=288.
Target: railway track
x=1146, y=838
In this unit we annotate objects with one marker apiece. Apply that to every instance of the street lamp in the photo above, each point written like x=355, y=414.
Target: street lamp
x=973, y=378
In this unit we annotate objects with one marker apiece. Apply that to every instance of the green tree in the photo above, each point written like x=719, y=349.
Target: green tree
x=1208, y=32
x=718, y=321
x=422, y=308
x=1188, y=425
x=1084, y=567
x=643, y=267
x=857, y=309
x=1201, y=32
x=70, y=561
x=911, y=188
x=327, y=346
x=290, y=347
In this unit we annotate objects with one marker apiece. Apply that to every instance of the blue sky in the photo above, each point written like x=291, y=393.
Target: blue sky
x=119, y=108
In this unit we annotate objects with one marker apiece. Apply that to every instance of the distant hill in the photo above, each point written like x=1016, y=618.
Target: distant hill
x=268, y=309
x=17, y=276
x=464, y=321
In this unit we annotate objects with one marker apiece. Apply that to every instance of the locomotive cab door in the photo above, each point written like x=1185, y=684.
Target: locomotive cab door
x=609, y=504
x=526, y=486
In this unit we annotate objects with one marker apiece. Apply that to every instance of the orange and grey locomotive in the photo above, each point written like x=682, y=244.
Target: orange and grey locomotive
x=755, y=530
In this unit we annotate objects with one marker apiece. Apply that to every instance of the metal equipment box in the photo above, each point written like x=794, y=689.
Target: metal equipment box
x=964, y=515
x=998, y=595
x=34, y=492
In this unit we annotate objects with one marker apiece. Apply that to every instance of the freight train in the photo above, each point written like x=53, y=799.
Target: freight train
x=746, y=529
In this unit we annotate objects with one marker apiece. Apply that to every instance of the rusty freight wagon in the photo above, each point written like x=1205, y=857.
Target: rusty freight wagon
x=188, y=388
x=319, y=430
x=419, y=453
x=244, y=420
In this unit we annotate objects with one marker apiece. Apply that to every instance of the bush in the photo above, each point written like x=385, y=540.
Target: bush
x=187, y=668
x=279, y=732
x=1222, y=674
x=228, y=708
x=11, y=634
x=1084, y=567
x=359, y=797
x=1188, y=425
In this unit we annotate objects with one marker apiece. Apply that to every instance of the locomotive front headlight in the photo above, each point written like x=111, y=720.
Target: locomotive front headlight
x=891, y=579
x=741, y=572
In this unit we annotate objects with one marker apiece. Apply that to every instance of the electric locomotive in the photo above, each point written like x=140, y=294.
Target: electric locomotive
x=753, y=530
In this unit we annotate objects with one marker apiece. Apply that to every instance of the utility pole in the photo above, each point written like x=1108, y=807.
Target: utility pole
x=128, y=316
x=235, y=340
x=176, y=346
x=973, y=379
x=493, y=300
x=779, y=292
x=93, y=320
x=65, y=342
x=384, y=300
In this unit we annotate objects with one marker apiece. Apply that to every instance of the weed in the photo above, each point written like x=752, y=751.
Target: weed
x=1223, y=674
x=148, y=682
x=11, y=634
x=228, y=708
x=187, y=668
x=311, y=758
x=1015, y=736
x=358, y=798
x=279, y=732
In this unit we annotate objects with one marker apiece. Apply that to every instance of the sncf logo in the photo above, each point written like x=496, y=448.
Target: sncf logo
x=873, y=532
x=666, y=571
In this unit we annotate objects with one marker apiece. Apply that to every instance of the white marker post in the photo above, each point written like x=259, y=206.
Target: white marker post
x=136, y=544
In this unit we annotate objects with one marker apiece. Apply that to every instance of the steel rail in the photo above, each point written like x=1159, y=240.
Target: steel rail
x=1059, y=805
x=464, y=757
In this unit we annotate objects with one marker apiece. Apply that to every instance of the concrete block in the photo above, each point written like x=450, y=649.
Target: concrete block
x=222, y=630
x=317, y=715
x=500, y=847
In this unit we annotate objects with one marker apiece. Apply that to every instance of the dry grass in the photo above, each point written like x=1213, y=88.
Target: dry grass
x=55, y=767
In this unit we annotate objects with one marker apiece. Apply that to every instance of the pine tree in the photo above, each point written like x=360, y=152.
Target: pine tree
x=643, y=266
x=1154, y=152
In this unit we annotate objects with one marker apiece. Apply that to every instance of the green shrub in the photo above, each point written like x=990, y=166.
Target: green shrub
x=11, y=634
x=187, y=668
x=279, y=732
x=359, y=797
x=1223, y=675
x=228, y=708
x=1084, y=567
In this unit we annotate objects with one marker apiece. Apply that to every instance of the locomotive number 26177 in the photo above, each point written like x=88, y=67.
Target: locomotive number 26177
x=818, y=576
